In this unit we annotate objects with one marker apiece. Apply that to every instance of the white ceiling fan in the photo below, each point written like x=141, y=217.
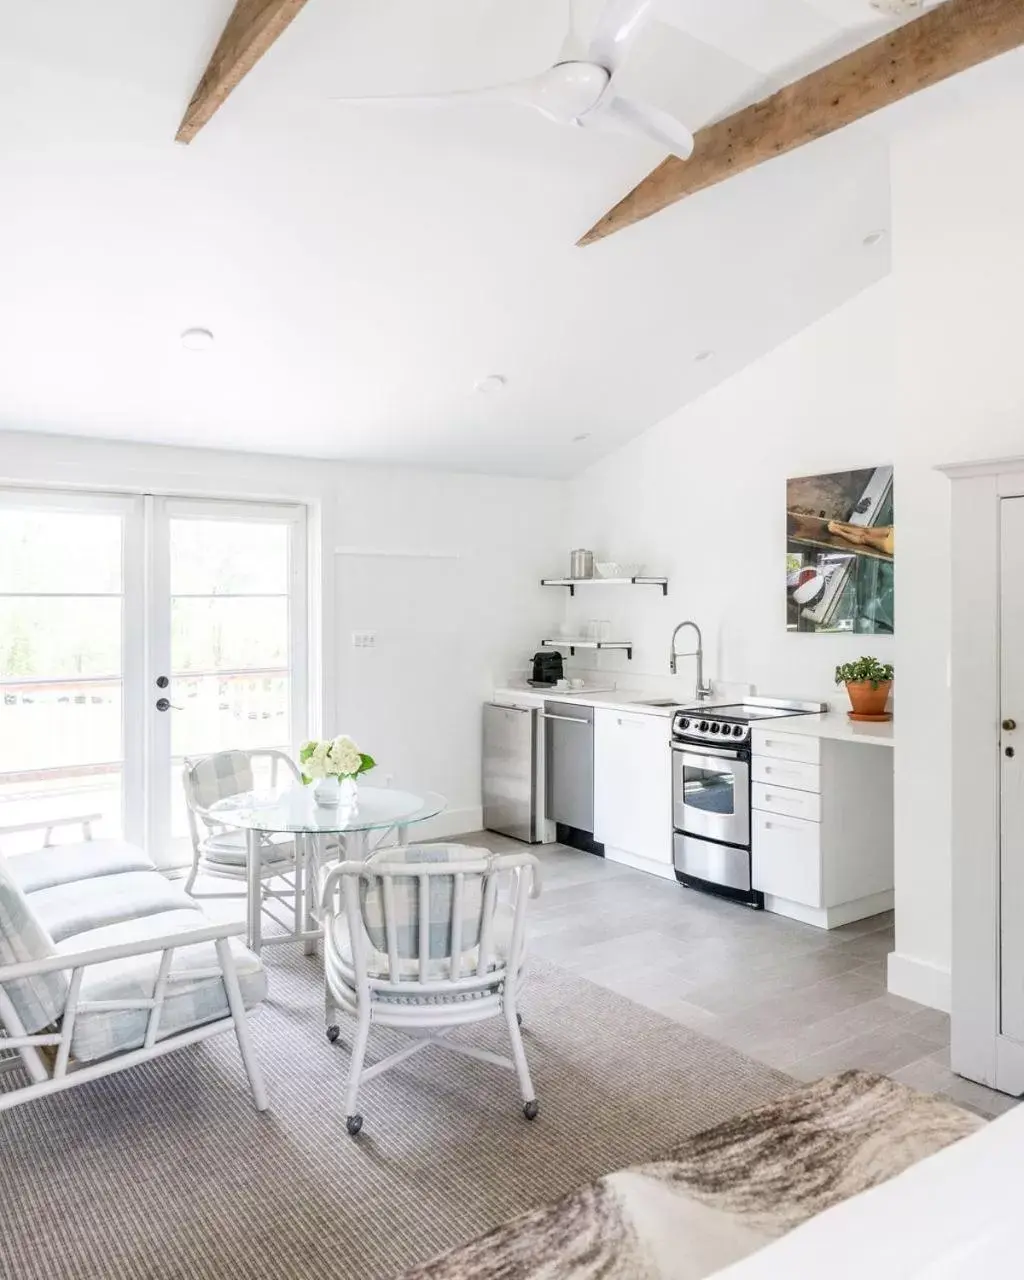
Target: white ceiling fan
x=582, y=91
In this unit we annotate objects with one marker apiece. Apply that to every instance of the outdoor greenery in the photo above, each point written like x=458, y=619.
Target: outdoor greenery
x=864, y=671
x=60, y=595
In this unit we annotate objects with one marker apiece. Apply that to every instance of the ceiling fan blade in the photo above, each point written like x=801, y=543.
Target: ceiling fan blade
x=563, y=93
x=641, y=117
x=617, y=26
x=522, y=91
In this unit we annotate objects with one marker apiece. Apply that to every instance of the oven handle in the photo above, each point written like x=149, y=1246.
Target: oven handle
x=724, y=753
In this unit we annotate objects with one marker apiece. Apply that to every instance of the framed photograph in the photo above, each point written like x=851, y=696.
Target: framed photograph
x=840, y=552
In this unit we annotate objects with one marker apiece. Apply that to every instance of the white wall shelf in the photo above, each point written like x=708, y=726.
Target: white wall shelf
x=573, y=583
x=566, y=642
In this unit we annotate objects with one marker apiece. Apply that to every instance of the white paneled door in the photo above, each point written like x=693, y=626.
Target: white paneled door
x=136, y=631
x=1011, y=746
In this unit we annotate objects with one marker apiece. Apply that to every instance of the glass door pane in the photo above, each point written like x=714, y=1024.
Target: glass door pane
x=62, y=659
x=236, y=647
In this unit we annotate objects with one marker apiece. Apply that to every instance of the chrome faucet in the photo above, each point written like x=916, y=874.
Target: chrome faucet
x=703, y=690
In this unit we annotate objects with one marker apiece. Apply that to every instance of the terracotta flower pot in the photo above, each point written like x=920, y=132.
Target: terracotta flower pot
x=867, y=700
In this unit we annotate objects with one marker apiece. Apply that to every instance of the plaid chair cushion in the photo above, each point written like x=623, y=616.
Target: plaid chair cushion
x=65, y=863
x=68, y=910
x=228, y=773
x=37, y=1001
x=188, y=1003
x=440, y=907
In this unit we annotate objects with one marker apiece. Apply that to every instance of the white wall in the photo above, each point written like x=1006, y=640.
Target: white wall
x=924, y=368
x=450, y=619
x=446, y=629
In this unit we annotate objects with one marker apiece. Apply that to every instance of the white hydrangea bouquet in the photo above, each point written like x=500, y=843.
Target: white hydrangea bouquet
x=333, y=763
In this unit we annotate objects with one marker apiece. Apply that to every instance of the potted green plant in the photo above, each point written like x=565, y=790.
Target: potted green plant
x=868, y=682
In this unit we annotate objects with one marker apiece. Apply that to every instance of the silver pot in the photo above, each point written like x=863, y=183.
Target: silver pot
x=581, y=564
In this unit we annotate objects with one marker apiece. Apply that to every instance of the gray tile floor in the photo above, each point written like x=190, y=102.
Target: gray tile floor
x=805, y=1000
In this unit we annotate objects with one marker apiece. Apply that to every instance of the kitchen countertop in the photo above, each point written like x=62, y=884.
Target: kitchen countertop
x=611, y=699
x=829, y=724
x=836, y=725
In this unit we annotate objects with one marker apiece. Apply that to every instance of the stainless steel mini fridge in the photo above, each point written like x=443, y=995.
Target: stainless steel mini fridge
x=513, y=772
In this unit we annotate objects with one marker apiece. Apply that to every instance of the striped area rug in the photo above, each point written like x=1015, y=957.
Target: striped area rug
x=167, y=1171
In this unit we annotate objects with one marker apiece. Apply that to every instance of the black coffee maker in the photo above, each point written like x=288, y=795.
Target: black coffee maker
x=547, y=667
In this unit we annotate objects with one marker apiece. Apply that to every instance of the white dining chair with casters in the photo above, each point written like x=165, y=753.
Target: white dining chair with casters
x=219, y=851
x=425, y=939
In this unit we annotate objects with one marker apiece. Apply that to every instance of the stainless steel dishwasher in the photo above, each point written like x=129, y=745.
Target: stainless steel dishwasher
x=569, y=742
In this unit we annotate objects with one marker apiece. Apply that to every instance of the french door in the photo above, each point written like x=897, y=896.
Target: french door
x=136, y=631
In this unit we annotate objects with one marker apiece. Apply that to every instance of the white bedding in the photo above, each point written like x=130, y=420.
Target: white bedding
x=957, y=1214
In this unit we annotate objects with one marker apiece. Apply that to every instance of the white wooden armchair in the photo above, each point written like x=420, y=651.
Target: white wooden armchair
x=105, y=964
x=414, y=938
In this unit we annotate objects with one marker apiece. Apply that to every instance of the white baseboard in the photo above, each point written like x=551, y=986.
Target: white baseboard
x=919, y=980
x=452, y=822
x=663, y=869
x=831, y=917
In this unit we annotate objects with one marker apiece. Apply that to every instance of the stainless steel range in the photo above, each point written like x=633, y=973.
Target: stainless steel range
x=711, y=793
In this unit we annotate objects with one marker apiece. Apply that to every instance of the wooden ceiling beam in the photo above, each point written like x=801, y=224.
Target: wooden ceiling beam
x=941, y=43
x=251, y=29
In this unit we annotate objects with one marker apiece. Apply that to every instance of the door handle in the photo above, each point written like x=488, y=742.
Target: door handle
x=546, y=716
x=1009, y=725
x=165, y=704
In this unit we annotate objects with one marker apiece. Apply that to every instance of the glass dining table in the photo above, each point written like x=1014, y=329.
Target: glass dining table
x=346, y=832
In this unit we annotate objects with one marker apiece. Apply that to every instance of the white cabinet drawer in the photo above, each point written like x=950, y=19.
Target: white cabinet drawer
x=787, y=802
x=786, y=858
x=786, y=746
x=786, y=773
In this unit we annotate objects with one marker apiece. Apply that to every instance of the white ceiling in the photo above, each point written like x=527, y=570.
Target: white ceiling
x=362, y=267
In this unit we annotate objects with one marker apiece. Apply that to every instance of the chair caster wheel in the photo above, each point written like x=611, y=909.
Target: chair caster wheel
x=530, y=1109
x=354, y=1123
x=333, y=1033
x=519, y=1019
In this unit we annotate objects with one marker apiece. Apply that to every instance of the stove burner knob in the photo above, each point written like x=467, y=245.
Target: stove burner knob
x=684, y=724
x=737, y=730
x=715, y=726
x=703, y=726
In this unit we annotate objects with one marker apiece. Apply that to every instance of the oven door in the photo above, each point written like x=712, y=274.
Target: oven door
x=711, y=793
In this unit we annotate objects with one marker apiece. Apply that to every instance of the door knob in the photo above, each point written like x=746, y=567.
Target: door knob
x=165, y=704
x=1009, y=724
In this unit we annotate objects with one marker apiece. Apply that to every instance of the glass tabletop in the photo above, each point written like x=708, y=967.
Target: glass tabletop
x=296, y=810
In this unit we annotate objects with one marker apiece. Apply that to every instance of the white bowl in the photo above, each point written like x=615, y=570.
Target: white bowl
x=615, y=569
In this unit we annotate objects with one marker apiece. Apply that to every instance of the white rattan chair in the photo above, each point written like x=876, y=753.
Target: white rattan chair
x=417, y=938
x=219, y=851
x=105, y=964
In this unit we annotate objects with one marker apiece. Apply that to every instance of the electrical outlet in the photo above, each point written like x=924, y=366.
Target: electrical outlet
x=364, y=639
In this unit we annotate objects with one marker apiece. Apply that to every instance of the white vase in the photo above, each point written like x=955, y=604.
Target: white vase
x=349, y=793
x=327, y=793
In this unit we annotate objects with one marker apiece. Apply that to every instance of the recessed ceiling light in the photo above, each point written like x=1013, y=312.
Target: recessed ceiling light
x=873, y=238
x=583, y=435
x=197, y=339
x=701, y=356
x=493, y=382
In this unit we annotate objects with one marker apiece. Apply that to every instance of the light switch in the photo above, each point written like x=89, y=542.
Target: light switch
x=364, y=639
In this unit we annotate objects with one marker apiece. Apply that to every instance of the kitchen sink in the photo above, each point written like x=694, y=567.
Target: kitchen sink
x=656, y=702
